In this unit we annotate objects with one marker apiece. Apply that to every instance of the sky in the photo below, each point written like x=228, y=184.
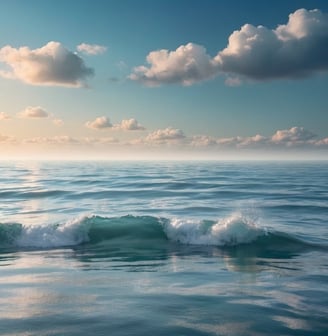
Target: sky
x=161, y=79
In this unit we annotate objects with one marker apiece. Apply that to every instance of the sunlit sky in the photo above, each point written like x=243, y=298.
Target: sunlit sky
x=163, y=79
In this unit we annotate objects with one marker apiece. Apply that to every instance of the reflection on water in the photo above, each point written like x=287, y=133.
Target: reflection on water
x=182, y=289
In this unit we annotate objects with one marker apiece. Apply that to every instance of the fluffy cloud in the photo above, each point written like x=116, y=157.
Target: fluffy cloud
x=296, y=49
x=292, y=136
x=99, y=123
x=124, y=125
x=51, y=64
x=129, y=125
x=166, y=135
x=34, y=112
x=91, y=49
x=186, y=65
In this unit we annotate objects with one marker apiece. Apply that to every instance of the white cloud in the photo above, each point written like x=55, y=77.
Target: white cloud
x=294, y=50
x=167, y=135
x=297, y=49
x=99, y=123
x=292, y=136
x=186, y=65
x=129, y=125
x=51, y=64
x=125, y=125
x=91, y=49
x=34, y=112
x=256, y=140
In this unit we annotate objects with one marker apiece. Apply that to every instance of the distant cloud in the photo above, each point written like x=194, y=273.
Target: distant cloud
x=51, y=64
x=55, y=140
x=294, y=50
x=129, y=125
x=7, y=139
x=58, y=122
x=125, y=125
x=91, y=49
x=165, y=135
x=4, y=116
x=34, y=112
x=186, y=65
x=292, y=136
x=99, y=123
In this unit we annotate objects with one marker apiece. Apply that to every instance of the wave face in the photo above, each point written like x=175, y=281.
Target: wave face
x=235, y=230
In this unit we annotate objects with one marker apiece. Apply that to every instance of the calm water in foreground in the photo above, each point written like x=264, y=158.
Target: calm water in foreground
x=163, y=248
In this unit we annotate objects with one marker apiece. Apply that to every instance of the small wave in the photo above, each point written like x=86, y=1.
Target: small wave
x=234, y=230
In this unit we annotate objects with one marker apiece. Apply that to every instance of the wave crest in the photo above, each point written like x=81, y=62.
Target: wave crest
x=233, y=230
x=147, y=231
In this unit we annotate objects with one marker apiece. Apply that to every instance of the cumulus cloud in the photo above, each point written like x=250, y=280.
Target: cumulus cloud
x=129, y=125
x=99, y=123
x=186, y=65
x=166, y=135
x=34, y=112
x=51, y=64
x=91, y=49
x=292, y=136
x=296, y=49
x=125, y=125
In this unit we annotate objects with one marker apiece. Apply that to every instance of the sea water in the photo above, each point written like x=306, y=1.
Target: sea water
x=163, y=248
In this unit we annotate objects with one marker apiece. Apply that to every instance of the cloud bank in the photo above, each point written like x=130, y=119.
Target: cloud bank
x=294, y=50
x=295, y=142
x=51, y=64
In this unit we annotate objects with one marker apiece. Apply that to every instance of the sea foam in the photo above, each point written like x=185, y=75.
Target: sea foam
x=233, y=230
x=70, y=233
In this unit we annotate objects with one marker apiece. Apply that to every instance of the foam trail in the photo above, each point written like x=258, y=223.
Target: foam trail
x=233, y=230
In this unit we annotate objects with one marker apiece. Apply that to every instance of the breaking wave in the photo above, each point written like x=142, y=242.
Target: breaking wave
x=234, y=230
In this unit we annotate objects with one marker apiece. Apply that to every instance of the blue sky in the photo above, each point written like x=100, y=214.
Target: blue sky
x=75, y=80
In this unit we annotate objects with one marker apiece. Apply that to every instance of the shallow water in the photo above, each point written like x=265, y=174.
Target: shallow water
x=165, y=248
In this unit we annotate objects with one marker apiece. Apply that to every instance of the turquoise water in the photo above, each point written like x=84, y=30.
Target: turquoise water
x=163, y=248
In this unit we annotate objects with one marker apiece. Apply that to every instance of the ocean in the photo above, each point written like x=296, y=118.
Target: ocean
x=163, y=248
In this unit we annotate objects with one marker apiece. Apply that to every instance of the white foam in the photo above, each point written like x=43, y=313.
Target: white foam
x=70, y=233
x=233, y=230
